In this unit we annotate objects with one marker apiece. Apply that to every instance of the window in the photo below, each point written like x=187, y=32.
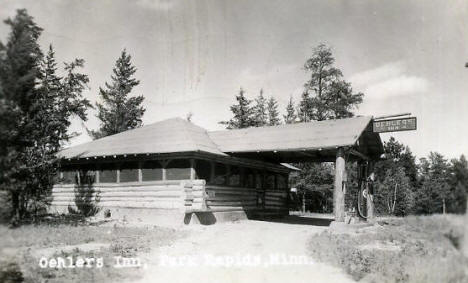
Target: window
x=108, y=173
x=203, y=169
x=259, y=180
x=235, y=176
x=282, y=181
x=152, y=171
x=270, y=181
x=220, y=174
x=178, y=169
x=249, y=178
x=69, y=177
x=129, y=172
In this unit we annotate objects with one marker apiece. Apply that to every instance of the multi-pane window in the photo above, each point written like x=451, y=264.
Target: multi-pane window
x=152, y=171
x=249, y=178
x=220, y=174
x=129, y=172
x=235, y=176
x=270, y=181
x=178, y=169
x=108, y=173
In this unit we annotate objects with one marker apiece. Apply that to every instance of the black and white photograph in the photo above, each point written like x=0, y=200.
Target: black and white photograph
x=232, y=141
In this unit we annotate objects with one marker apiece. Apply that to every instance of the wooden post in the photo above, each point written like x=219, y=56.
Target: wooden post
x=164, y=164
x=339, y=189
x=140, y=173
x=192, y=169
x=98, y=176
x=370, y=192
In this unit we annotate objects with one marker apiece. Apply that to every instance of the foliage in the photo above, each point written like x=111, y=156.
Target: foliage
x=326, y=95
x=260, y=110
x=243, y=113
x=86, y=197
x=435, y=190
x=410, y=249
x=315, y=180
x=63, y=239
x=273, y=113
x=35, y=111
x=119, y=112
x=290, y=116
x=395, y=179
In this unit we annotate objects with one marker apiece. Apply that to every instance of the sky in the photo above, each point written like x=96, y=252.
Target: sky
x=193, y=56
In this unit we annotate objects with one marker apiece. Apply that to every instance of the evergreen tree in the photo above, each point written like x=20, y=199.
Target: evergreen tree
x=260, y=110
x=434, y=194
x=243, y=113
x=35, y=109
x=290, y=116
x=119, y=112
x=332, y=98
x=305, y=109
x=459, y=183
x=273, y=114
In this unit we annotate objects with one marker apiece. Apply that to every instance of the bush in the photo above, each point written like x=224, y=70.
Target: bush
x=86, y=197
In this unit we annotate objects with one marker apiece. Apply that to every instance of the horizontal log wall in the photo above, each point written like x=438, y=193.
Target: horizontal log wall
x=224, y=198
x=194, y=192
x=276, y=200
x=157, y=194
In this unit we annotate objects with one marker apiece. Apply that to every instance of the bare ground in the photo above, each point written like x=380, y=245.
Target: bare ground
x=278, y=248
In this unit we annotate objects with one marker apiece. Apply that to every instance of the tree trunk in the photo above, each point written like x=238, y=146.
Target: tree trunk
x=15, y=205
x=303, y=202
x=443, y=206
x=465, y=240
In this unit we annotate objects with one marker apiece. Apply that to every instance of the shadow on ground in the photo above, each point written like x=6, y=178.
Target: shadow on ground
x=302, y=220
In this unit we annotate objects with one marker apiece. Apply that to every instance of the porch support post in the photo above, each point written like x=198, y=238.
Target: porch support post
x=340, y=186
x=164, y=164
x=192, y=169
x=140, y=173
x=370, y=193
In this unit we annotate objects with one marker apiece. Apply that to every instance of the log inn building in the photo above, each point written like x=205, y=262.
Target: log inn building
x=173, y=171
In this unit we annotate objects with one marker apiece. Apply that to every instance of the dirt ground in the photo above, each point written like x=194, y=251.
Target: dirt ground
x=245, y=251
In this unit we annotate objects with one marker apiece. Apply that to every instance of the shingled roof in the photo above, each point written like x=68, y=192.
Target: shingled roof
x=168, y=136
x=288, y=142
x=310, y=135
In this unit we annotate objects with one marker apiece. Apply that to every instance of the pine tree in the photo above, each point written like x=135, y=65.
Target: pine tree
x=243, y=113
x=34, y=115
x=434, y=194
x=332, y=98
x=273, y=114
x=119, y=112
x=290, y=116
x=305, y=108
x=260, y=110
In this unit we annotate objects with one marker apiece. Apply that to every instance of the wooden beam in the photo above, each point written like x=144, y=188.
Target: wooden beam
x=359, y=154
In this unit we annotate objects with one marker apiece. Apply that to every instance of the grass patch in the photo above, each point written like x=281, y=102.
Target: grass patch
x=23, y=247
x=410, y=249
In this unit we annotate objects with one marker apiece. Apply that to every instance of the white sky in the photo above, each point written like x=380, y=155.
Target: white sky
x=192, y=56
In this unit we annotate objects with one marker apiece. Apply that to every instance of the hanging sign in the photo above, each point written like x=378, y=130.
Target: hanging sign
x=395, y=125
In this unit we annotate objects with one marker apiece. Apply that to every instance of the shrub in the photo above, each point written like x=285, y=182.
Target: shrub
x=86, y=197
